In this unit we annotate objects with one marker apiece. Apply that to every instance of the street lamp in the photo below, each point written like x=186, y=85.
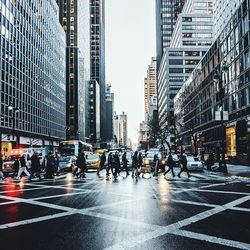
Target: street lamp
x=13, y=110
x=218, y=78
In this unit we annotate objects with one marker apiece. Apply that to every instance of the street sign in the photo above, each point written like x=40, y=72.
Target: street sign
x=218, y=116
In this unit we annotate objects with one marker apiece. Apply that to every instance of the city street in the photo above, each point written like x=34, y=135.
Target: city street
x=207, y=211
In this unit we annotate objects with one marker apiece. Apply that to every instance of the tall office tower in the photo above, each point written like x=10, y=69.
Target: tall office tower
x=74, y=17
x=32, y=87
x=97, y=57
x=123, y=130
x=192, y=37
x=223, y=11
x=167, y=12
x=109, y=99
x=150, y=84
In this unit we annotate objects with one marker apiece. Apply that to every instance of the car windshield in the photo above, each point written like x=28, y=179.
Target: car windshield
x=64, y=159
x=152, y=154
x=92, y=157
x=191, y=158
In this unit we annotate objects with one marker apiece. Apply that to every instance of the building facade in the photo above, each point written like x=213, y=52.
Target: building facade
x=200, y=97
x=109, y=135
x=123, y=130
x=223, y=10
x=150, y=84
x=192, y=37
x=32, y=87
x=74, y=17
x=167, y=12
x=97, y=57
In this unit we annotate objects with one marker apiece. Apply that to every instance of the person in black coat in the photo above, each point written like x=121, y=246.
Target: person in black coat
x=110, y=158
x=116, y=164
x=183, y=164
x=170, y=164
x=124, y=163
x=35, y=166
x=102, y=163
x=135, y=164
x=81, y=163
x=50, y=166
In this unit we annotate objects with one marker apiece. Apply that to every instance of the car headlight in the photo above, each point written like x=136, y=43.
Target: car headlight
x=146, y=162
x=163, y=162
x=69, y=165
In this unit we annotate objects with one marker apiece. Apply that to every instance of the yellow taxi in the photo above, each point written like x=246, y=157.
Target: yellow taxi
x=93, y=161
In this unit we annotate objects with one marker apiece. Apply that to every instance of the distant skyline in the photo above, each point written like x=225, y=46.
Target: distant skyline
x=130, y=44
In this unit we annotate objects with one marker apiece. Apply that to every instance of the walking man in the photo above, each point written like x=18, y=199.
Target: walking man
x=183, y=164
x=102, y=163
x=22, y=167
x=170, y=164
x=50, y=166
x=110, y=158
x=81, y=163
x=124, y=163
x=35, y=167
x=116, y=164
x=135, y=165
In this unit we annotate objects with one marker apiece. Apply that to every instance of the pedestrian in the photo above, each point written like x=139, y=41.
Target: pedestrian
x=210, y=161
x=183, y=165
x=156, y=164
x=110, y=158
x=140, y=163
x=102, y=163
x=15, y=166
x=81, y=164
x=50, y=166
x=1, y=167
x=22, y=167
x=124, y=163
x=56, y=163
x=135, y=165
x=35, y=166
x=116, y=164
x=170, y=164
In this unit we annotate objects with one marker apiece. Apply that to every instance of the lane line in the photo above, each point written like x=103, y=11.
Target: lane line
x=212, y=239
x=30, y=221
x=133, y=242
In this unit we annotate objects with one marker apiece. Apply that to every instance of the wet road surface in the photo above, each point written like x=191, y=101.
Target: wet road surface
x=207, y=211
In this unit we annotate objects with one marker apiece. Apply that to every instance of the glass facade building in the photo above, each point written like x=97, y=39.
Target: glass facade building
x=32, y=87
x=200, y=97
x=97, y=62
x=74, y=17
x=167, y=12
x=192, y=37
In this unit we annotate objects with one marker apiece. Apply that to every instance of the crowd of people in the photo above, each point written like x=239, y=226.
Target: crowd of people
x=111, y=163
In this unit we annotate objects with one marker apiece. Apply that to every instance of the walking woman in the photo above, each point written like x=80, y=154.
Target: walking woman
x=22, y=167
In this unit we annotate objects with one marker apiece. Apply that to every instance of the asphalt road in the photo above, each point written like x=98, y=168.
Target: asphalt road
x=207, y=211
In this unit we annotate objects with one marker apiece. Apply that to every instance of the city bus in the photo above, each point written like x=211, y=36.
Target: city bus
x=74, y=147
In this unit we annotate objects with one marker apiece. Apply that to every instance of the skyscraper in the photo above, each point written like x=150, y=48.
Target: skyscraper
x=32, y=90
x=97, y=56
x=167, y=12
x=150, y=84
x=74, y=17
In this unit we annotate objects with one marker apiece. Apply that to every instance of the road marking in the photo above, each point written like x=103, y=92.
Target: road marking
x=212, y=239
x=21, y=190
x=133, y=242
x=30, y=221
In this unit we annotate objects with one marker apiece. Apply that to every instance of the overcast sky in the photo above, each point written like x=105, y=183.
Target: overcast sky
x=130, y=44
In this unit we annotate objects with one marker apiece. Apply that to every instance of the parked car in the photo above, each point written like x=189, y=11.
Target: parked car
x=93, y=161
x=194, y=164
x=67, y=163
